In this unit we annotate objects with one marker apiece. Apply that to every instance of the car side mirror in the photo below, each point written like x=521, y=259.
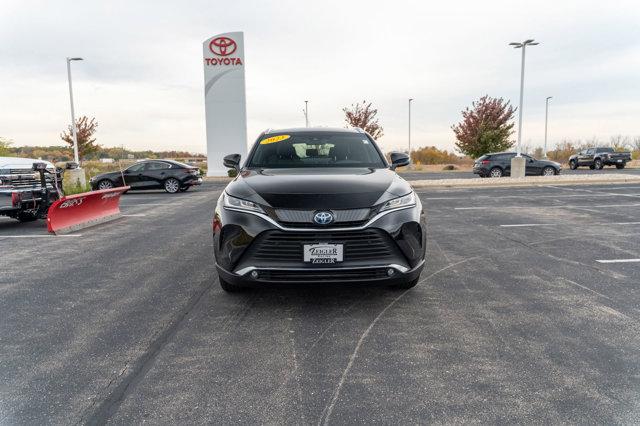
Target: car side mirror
x=232, y=161
x=38, y=166
x=71, y=165
x=531, y=160
x=399, y=159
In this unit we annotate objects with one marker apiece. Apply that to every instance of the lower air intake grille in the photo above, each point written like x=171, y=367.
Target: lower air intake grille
x=324, y=276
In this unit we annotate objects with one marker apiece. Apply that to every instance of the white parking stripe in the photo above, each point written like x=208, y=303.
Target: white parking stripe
x=618, y=261
x=559, y=196
x=39, y=236
x=567, y=206
x=515, y=225
x=134, y=215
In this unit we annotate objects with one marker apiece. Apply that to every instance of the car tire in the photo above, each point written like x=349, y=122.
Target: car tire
x=598, y=164
x=172, y=185
x=592, y=167
x=406, y=285
x=104, y=184
x=573, y=164
x=620, y=166
x=549, y=171
x=26, y=217
x=228, y=287
x=496, y=172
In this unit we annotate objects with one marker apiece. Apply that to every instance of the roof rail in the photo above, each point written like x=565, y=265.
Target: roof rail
x=358, y=129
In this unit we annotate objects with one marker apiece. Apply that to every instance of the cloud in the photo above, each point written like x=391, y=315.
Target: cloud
x=142, y=76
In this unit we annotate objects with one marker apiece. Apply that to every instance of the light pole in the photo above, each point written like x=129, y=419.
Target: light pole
x=73, y=118
x=306, y=113
x=517, y=163
x=546, y=121
x=410, y=99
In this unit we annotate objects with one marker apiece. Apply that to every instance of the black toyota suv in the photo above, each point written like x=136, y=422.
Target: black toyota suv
x=498, y=164
x=318, y=205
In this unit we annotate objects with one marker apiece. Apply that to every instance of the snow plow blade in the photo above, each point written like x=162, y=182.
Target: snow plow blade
x=73, y=212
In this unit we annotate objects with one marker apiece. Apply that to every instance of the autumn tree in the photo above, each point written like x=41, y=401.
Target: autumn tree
x=85, y=128
x=485, y=127
x=363, y=115
x=4, y=147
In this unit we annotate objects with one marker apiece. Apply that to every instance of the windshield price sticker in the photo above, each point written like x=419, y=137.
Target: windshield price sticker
x=274, y=139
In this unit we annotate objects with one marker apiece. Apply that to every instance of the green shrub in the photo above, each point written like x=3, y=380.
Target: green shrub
x=232, y=172
x=449, y=167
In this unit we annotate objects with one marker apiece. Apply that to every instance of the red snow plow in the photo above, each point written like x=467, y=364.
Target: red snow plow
x=78, y=211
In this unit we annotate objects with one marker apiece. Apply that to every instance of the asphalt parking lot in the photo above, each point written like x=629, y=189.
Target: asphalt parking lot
x=525, y=313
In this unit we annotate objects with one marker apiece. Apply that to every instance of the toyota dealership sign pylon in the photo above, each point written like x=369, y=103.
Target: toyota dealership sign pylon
x=224, y=99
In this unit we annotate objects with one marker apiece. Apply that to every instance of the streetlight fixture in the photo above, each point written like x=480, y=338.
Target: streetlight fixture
x=73, y=118
x=306, y=113
x=517, y=163
x=546, y=121
x=410, y=100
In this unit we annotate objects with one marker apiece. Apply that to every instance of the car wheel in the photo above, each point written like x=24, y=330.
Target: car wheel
x=496, y=172
x=573, y=164
x=598, y=164
x=228, y=287
x=548, y=171
x=172, y=185
x=105, y=184
x=620, y=166
x=26, y=217
x=406, y=285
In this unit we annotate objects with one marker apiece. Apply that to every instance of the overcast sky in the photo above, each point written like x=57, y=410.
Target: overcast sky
x=142, y=77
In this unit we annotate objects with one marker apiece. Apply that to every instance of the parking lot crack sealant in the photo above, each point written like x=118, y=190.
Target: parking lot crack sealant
x=328, y=410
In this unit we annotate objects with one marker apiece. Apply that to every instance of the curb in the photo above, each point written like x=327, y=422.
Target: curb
x=527, y=181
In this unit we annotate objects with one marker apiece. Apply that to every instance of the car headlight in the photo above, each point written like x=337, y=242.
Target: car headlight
x=400, y=202
x=240, y=204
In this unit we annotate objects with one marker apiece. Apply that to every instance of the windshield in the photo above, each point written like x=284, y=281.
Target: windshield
x=315, y=149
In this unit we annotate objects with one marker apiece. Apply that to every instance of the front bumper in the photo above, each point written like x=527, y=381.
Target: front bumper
x=480, y=171
x=251, y=249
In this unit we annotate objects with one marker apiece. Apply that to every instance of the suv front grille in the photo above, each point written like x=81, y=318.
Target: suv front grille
x=368, y=244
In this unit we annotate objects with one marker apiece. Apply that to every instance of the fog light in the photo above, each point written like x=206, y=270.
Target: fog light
x=254, y=275
x=391, y=271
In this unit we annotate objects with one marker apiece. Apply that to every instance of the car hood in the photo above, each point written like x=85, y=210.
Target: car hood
x=21, y=163
x=318, y=188
x=549, y=163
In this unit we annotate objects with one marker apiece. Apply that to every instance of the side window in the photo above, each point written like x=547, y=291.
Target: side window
x=590, y=151
x=136, y=167
x=158, y=165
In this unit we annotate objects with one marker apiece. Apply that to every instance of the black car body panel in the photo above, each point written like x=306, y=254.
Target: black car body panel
x=150, y=174
x=502, y=161
x=258, y=247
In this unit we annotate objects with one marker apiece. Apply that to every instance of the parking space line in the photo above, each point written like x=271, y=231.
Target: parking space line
x=516, y=225
x=134, y=215
x=40, y=236
x=484, y=197
x=567, y=206
x=618, y=261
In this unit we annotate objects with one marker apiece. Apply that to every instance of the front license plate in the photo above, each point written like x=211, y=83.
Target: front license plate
x=323, y=253
x=619, y=161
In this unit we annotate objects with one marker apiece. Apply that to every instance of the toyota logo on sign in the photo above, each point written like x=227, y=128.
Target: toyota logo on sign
x=223, y=46
x=323, y=218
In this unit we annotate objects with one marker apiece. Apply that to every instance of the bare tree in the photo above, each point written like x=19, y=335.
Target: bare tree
x=619, y=142
x=363, y=115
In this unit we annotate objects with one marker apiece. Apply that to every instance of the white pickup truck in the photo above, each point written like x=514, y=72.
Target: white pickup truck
x=28, y=187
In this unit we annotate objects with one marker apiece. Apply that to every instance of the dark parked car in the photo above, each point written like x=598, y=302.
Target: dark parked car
x=597, y=158
x=498, y=164
x=318, y=206
x=172, y=176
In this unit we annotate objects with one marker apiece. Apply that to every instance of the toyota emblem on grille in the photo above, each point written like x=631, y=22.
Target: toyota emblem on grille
x=323, y=218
